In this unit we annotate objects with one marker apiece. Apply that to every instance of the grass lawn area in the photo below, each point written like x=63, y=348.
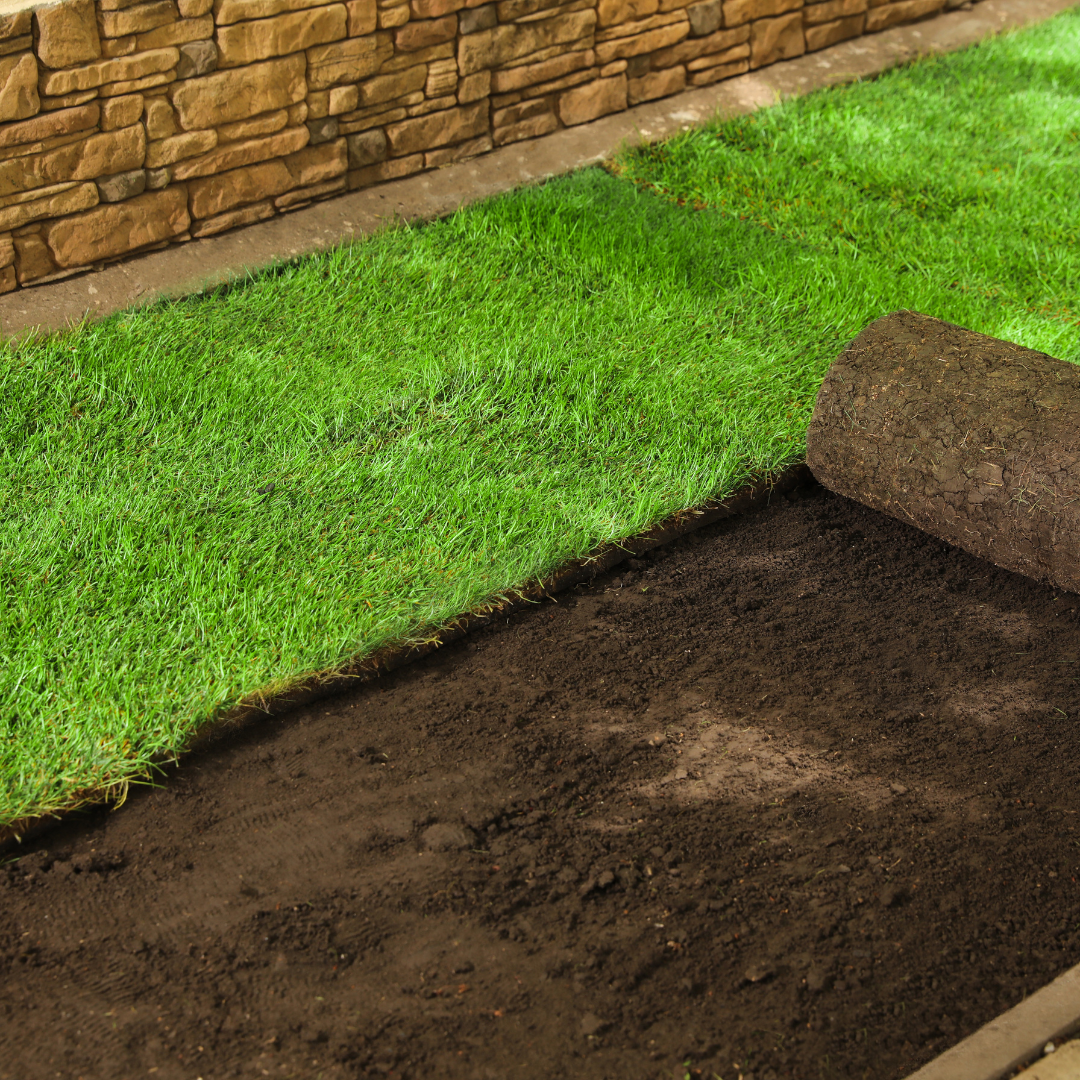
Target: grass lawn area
x=216, y=498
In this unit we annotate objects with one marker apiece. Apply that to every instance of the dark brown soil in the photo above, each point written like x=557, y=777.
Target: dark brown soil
x=794, y=797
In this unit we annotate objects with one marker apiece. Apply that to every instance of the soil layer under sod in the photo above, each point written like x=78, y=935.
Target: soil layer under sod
x=855, y=842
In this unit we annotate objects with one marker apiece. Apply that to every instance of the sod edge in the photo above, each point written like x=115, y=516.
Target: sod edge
x=748, y=499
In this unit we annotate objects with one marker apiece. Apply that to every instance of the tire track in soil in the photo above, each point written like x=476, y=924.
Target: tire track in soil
x=795, y=796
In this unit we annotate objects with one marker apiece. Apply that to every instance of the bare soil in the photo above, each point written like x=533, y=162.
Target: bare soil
x=794, y=797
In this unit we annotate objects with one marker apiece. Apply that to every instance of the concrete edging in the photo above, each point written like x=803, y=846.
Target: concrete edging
x=202, y=264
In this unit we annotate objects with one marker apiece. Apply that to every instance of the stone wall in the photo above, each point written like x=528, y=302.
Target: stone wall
x=128, y=125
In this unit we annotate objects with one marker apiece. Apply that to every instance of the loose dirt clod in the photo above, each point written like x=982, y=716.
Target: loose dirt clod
x=973, y=439
x=755, y=890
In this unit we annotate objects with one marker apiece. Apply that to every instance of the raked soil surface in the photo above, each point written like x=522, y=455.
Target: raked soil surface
x=794, y=797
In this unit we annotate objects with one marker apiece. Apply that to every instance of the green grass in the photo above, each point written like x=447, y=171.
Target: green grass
x=448, y=411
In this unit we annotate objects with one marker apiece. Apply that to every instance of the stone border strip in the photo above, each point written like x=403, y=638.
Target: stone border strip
x=206, y=263
x=1015, y=1038
x=747, y=500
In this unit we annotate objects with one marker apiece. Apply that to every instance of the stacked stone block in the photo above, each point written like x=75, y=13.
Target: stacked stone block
x=127, y=126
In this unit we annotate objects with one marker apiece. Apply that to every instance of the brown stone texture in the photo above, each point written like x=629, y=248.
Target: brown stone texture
x=32, y=259
x=473, y=20
x=657, y=84
x=238, y=94
x=501, y=44
x=119, y=112
x=388, y=170
x=15, y=25
x=8, y=280
x=715, y=74
x=266, y=124
x=235, y=155
x=347, y=61
x=474, y=87
x=442, y=78
x=124, y=69
x=14, y=45
x=523, y=110
x=74, y=197
x=388, y=87
x=197, y=58
x=323, y=130
x=259, y=39
x=342, y=99
x=116, y=229
x=67, y=33
x=94, y=156
x=534, y=126
x=362, y=17
x=18, y=87
x=193, y=9
x=302, y=196
x=728, y=56
x=593, y=100
x=178, y=33
x=425, y=33
x=776, y=39
x=438, y=129
x=47, y=125
x=637, y=45
x=179, y=147
x=121, y=186
x=366, y=148
x=613, y=12
x=247, y=216
x=389, y=18
x=516, y=78
x=815, y=14
x=159, y=118
x=434, y=9
x=904, y=11
x=124, y=46
x=448, y=155
x=227, y=12
x=138, y=19
x=737, y=12
x=819, y=37
x=971, y=439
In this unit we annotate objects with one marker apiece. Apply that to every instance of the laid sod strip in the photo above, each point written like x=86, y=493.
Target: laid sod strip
x=963, y=168
x=210, y=500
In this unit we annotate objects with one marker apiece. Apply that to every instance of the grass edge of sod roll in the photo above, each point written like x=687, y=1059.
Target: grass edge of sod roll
x=221, y=498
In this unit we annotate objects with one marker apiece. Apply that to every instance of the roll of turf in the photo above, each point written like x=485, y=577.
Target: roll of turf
x=972, y=439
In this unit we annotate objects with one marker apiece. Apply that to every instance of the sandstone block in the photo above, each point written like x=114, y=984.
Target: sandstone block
x=67, y=101
x=236, y=155
x=365, y=122
x=434, y=9
x=421, y=56
x=442, y=78
x=160, y=119
x=593, y=100
x=389, y=87
x=423, y=34
x=247, y=42
x=639, y=26
x=296, y=114
x=138, y=19
x=107, y=231
x=197, y=58
x=318, y=103
x=121, y=112
x=266, y=124
x=737, y=12
x=435, y=159
x=14, y=25
x=389, y=18
x=124, y=46
x=639, y=44
x=116, y=5
x=302, y=196
x=227, y=12
x=474, y=20
x=658, y=84
x=94, y=156
x=347, y=61
x=101, y=72
x=474, y=87
x=320, y=131
x=342, y=99
x=17, y=45
x=613, y=68
x=705, y=18
x=826, y=34
x=366, y=148
x=501, y=44
x=179, y=148
x=816, y=14
x=181, y=32
x=776, y=39
x=32, y=259
x=728, y=56
x=613, y=12
x=259, y=211
x=362, y=17
x=194, y=9
x=904, y=11
x=715, y=74
x=68, y=200
x=523, y=110
x=67, y=33
x=509, y=10
x=387, y=170
x=8, y=280
x=318, y=164
x=122, y=186
x=516, y=78
x=135, y=85
x=157, y=179
x=438, y=129
x=237, y=94
x=226, y=191
x=692, y=48
x=531, y=128
x=18, y=87
x=422, y=108
x=49, y=125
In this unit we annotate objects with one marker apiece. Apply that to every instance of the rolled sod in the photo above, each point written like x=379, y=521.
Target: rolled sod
x=972, y=439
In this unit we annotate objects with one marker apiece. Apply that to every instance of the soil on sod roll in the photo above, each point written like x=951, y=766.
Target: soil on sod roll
x=793, y=797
